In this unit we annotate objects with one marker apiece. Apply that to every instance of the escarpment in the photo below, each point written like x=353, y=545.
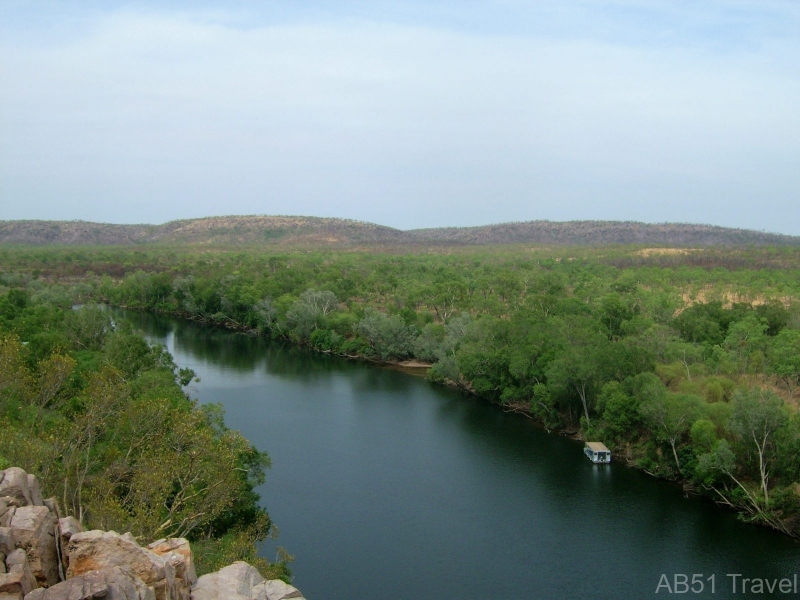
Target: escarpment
x=48, y=556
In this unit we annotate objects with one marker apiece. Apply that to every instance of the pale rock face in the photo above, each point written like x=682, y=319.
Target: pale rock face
x=179, y=553
x=275, y=589
x=234, y=582
x=4, y=508
x=240, y=581
x=33, y=530
x=15, y=485
x=12, y=586
x=67, y=527
x=93, y=550
x=115, y=583
x=33, y=488
x=19, y=578
x=10, y=508
x=6, y=540
x=52, y=505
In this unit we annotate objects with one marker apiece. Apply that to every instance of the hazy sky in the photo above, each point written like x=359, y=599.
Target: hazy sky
x=409, y=114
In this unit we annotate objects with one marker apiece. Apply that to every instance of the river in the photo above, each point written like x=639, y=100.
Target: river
x=386, y=487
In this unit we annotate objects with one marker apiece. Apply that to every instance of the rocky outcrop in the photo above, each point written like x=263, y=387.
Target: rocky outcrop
x=33, y=530
x=178, y=553
x=240, y=581
x=67, y=527
x=14, y=485
x=97, y=550
x=44, y=556
x=115, y=583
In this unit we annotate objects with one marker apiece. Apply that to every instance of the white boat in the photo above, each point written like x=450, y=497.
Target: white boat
x=597, y=452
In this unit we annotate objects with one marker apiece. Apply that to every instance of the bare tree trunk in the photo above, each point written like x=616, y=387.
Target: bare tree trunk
x=582, y=393
x=672, y=442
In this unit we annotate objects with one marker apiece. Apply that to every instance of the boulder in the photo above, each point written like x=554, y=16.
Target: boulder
x=5, y=519
x=11, y=586
x=95, y=550
x=179, y=553
x=115, y=583
x=67, y=527
x=15, y=485
x=275, y=589
x=35, y=492
x=19, y=578
x=4, y=508
x=234, y=582
x=33, y=530
x=6, y=540
x=52, y=504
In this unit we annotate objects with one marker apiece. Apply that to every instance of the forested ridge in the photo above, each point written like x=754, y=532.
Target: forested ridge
x=685, y=362
x=287, y=231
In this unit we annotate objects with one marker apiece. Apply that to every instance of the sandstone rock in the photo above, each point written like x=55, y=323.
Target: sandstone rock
x=67, y=527
x=6, y=541
x=52, y=505
x=181, y=548
x=234, y=582
x=2, y=562
x=93, y=550
x=35, y=492
x=33, y=530
x=10, y=588
x=179, y=554
x=275, y=589
x=5, y=520
x=19, y=577
x=115, y=583
x=15, y=485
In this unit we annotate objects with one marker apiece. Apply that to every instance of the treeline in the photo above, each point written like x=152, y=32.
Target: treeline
x=688, y=373
x=100, y=416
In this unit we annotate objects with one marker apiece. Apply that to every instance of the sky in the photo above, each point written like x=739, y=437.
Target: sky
x=408, y=114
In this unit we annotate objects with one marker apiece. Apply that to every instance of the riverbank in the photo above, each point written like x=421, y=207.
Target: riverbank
x=626, y=454
x=440, y=494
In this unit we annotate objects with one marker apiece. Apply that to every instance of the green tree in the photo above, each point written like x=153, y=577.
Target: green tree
x=757, y=416
x=785, y=358
x=578, y=367
x=745, y=338
x=671, y=416
x=388, y=336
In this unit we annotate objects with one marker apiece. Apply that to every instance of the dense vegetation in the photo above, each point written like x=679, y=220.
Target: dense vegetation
x=685, y=363
x=277, y=231
x=99, y=415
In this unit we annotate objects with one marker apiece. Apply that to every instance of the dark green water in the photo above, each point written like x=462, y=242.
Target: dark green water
x=388, y=488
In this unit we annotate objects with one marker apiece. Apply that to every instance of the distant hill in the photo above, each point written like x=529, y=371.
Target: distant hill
x=316, y=231
x=591, y=233
x=249, y=230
